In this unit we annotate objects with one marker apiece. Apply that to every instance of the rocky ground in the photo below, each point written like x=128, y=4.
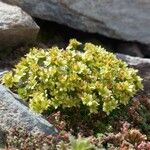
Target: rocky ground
x=50, y=23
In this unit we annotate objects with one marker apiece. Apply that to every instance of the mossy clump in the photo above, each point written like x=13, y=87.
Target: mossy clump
x=58, y=78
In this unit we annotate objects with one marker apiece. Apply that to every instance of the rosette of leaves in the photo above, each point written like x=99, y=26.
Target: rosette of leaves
x=91, y=77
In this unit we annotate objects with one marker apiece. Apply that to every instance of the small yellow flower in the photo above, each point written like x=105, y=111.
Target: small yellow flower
x=65, y=78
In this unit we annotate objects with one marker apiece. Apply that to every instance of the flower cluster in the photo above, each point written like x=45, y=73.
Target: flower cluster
x=91, y=77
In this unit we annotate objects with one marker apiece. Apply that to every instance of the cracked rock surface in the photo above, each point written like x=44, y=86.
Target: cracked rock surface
x=16, y=27
x=127, y=19
x=14, y=113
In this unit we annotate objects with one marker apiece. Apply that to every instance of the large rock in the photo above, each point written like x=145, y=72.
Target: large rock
x=122, y=19
x=143, y=65
x=14, y=113
x=16, y=26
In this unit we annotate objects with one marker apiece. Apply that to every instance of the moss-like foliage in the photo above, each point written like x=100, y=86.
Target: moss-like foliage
x=92, y=77
x=126, y=139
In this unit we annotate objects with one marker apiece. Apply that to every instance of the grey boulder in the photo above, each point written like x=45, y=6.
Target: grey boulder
x=16, y=26
x=14, y=113
x=127, y=19
x=143, y=66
